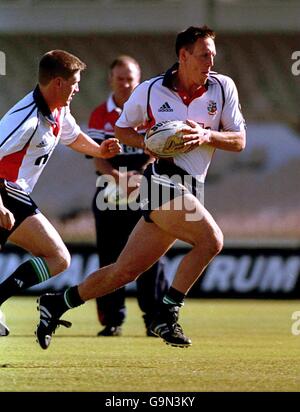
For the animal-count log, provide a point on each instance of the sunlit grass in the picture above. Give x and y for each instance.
(238, 345)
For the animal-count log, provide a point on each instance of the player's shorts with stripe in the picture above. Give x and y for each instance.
(163, 181)
(18, 202)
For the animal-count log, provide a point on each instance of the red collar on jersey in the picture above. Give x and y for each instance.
(168, 82)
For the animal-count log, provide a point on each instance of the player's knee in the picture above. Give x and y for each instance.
(217, 242)
(213, 243)
(63, 261)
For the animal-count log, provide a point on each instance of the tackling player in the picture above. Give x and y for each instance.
(29, 132)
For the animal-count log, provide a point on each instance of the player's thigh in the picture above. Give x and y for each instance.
(38, 236)
(186, 219)
(146, 244)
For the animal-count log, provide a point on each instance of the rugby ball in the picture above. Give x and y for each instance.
(165, 138)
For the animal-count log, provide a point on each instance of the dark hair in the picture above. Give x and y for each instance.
(188, 37)
(58, 63)
(122, 61)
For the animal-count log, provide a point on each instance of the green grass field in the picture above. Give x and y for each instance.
(238, 345)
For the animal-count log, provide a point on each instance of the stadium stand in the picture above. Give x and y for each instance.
(259, 63)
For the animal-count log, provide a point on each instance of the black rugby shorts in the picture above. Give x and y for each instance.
(163, 181)
(18, 202)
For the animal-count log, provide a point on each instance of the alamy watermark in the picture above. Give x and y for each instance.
(2, 63)
(295, 329)
(137, 192)
(296, 65)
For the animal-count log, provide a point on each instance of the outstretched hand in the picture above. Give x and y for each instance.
(110, 148)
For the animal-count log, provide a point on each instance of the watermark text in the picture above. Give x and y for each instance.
(296, 65)
(2, 63)
(295, 329)
(135, 191)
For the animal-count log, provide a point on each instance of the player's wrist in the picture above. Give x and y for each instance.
(208, 135)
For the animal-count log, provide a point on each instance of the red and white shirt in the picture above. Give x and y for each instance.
(101, 126)
(29, 132)
(216, 107)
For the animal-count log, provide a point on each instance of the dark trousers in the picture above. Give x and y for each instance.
(113, 228)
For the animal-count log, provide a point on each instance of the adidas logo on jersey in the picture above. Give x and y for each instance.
(165, 108)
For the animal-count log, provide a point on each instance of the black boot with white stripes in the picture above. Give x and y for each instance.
(49, 319)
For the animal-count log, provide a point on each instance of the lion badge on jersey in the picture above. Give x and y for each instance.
(212, 108)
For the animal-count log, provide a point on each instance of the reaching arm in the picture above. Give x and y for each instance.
(84, 144)
(129, 136)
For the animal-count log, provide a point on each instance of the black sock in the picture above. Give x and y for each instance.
(174, 297)
(72, 298)
(29, 273)
(63, 301)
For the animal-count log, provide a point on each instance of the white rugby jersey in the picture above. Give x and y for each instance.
(217, 108)
(28, 135)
